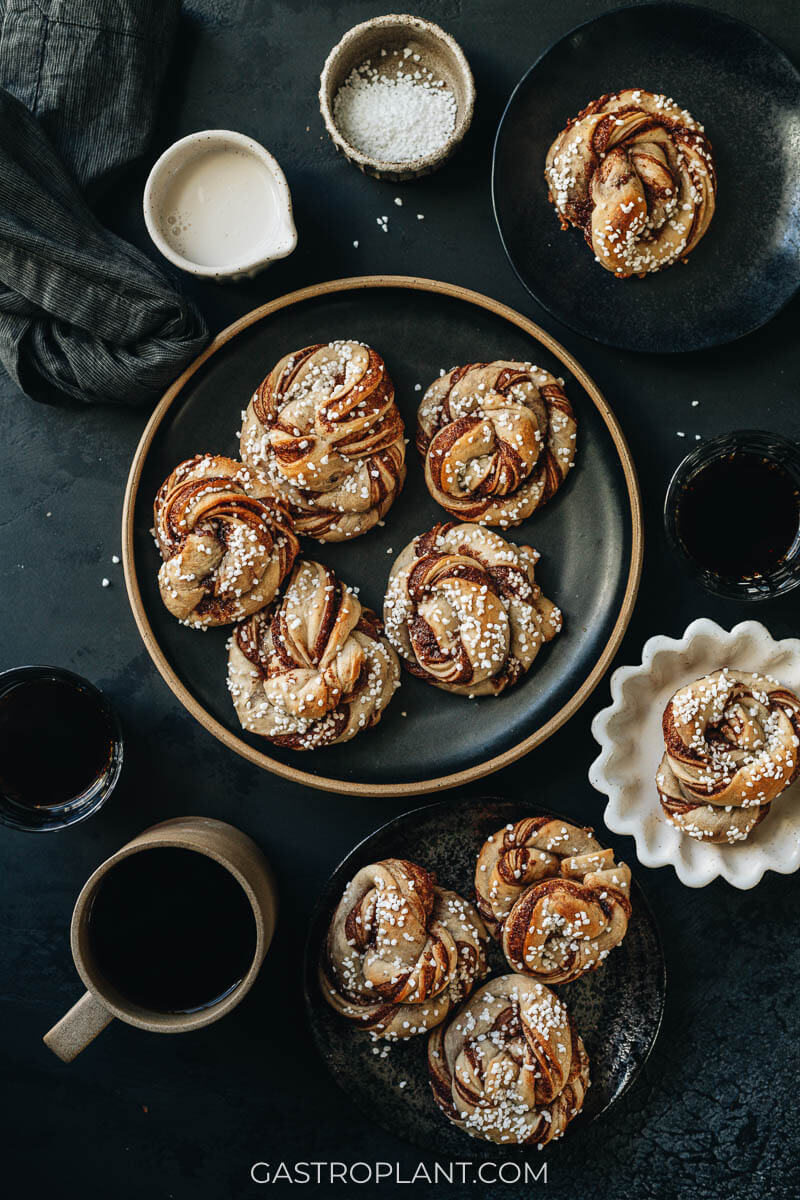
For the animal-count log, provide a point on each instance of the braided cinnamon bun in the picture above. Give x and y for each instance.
(510, 1066)
(497, 440)
(732, 746)
(464, 611)
(400, 951)
(313, 669)
(324, 434)
(555, 898)
(636, 173)
(225, 553)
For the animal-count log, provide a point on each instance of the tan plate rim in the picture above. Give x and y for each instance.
(343, 786)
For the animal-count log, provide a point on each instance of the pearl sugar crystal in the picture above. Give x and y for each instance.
(397, 117)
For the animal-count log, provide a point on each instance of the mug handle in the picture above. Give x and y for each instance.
(78, 1027)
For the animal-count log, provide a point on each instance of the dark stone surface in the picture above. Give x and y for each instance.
(714, 1113)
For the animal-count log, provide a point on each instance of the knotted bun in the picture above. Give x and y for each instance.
(324, 434)
(464, 611)
(732, 744)
(225, 552)
(636, 173)
(497, 440)
(400, 951)
(555, 898)
(509, 1066)
(313, 669)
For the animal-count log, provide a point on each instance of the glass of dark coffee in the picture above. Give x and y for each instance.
(60, 748)
(732, 512)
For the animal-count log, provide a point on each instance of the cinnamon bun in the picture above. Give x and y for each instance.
(497, 440)
(510, 1066)
(636, 173)
(323, 433)
(732, 746)
(555, 898)
(225, 552)
(400, 951)
(315, 667)
(464, 611)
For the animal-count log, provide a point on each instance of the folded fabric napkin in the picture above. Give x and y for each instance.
(83, 315)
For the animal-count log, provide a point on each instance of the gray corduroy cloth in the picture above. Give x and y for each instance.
(83, 315)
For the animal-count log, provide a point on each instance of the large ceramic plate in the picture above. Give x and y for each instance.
(747, 95)
(617, 1009)
(589, 535)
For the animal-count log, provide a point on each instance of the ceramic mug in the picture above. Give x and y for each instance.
(229, 847)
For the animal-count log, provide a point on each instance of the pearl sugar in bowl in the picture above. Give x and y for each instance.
(397, 96)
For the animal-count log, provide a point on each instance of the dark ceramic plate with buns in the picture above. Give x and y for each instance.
(745, 93)
(589, 534)
(617, 1008)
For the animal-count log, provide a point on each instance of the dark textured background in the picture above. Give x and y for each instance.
(138, 1115)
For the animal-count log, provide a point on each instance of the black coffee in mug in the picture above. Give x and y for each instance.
(172, 930)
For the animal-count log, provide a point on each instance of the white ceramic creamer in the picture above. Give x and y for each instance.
(217, 204)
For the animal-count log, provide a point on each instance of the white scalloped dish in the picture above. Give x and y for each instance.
(631, 741)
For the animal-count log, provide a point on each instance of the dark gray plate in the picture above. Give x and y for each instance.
(590, 556)
(746, 93)
(617, 1009)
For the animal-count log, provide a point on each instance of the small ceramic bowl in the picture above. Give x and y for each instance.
(630, 736)
(277, 242)
(438, 52)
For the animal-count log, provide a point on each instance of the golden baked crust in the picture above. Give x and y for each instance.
(324, 434)
(400, 951)
(732, 745)
(464, 611)
(313, 669)
(553, 896)
(497, 440)
(509, 1066)
(225, 552)
(636, 173)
